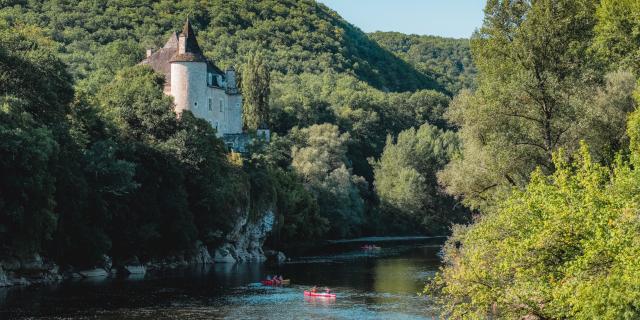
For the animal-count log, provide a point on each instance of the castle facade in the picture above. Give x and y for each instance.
(197, 85)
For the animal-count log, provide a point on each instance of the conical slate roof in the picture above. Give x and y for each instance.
(161, 59)
(192, 49)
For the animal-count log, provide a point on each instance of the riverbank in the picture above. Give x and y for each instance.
(369, 286)
(244, 243)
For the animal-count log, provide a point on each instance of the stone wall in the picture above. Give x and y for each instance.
(190, 92)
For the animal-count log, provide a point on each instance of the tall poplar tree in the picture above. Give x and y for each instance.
(256, 87)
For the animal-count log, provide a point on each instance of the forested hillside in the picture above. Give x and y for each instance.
(448, 60)
(299, 36)
(116, 173)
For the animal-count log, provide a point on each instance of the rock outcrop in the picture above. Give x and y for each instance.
(276, 257)
(94, 273)
(134, 269)
(201, 255)
(244, 242)
(27, 270)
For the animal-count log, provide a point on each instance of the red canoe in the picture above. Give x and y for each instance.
(275, 283)
(319, 294)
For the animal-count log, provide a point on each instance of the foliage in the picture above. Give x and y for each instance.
(538, 90)
(618, 33)
(405, 177)
(111, 170)
(134, 104)
(565, 247)
(448, 60)
(300, 36)
(322, 70)
(560, 242)
(299, 218)
(319, 156)
(27, 186)
(367, 114)
(255, 90)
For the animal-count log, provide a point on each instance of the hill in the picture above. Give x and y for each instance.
(448, 60)
(299, 36)
(115, 150)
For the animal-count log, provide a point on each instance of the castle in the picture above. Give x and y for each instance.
(197, 85)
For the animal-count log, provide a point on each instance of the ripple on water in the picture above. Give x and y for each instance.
(289, 303)
(379, 285)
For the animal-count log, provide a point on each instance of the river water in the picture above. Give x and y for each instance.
(369, 285)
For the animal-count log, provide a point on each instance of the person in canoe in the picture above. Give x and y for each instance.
(314, 289)
(327, 290)
(268, 277)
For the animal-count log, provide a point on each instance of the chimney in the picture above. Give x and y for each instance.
(230, 76)
(182, 44)
(149, 52)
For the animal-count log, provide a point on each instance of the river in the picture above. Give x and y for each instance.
(369, 285)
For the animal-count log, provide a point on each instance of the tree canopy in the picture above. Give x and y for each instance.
(546, 162)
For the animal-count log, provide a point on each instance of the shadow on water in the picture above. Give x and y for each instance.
(369, 285)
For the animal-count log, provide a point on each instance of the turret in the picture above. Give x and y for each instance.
(188, 73)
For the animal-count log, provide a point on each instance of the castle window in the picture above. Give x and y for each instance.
(196, 105)
(210, 79)
(220, 105)
(210, 104)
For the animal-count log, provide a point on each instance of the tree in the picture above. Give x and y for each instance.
(562, 248)
(35, 91)
(299, 217)
(135, 103)
(448, 60)
(405, 178)
(535, 74)
(618, 34)
(256, 87)
(156, 220)
(214, 187)
(27, 187)
(319, 157)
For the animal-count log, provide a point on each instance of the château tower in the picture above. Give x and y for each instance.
(197, 85)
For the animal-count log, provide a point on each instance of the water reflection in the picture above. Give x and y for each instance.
(319, 301)
(368, 287)
(395, 276)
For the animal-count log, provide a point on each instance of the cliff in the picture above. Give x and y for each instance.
(243, 244)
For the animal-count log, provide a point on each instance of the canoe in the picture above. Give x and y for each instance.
(319, 294)
(284, 282)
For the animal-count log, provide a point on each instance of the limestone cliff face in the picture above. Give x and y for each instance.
(244, 242)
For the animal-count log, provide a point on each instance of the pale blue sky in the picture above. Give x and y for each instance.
(447, 18)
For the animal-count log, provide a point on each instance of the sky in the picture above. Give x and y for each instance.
(446, 18)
